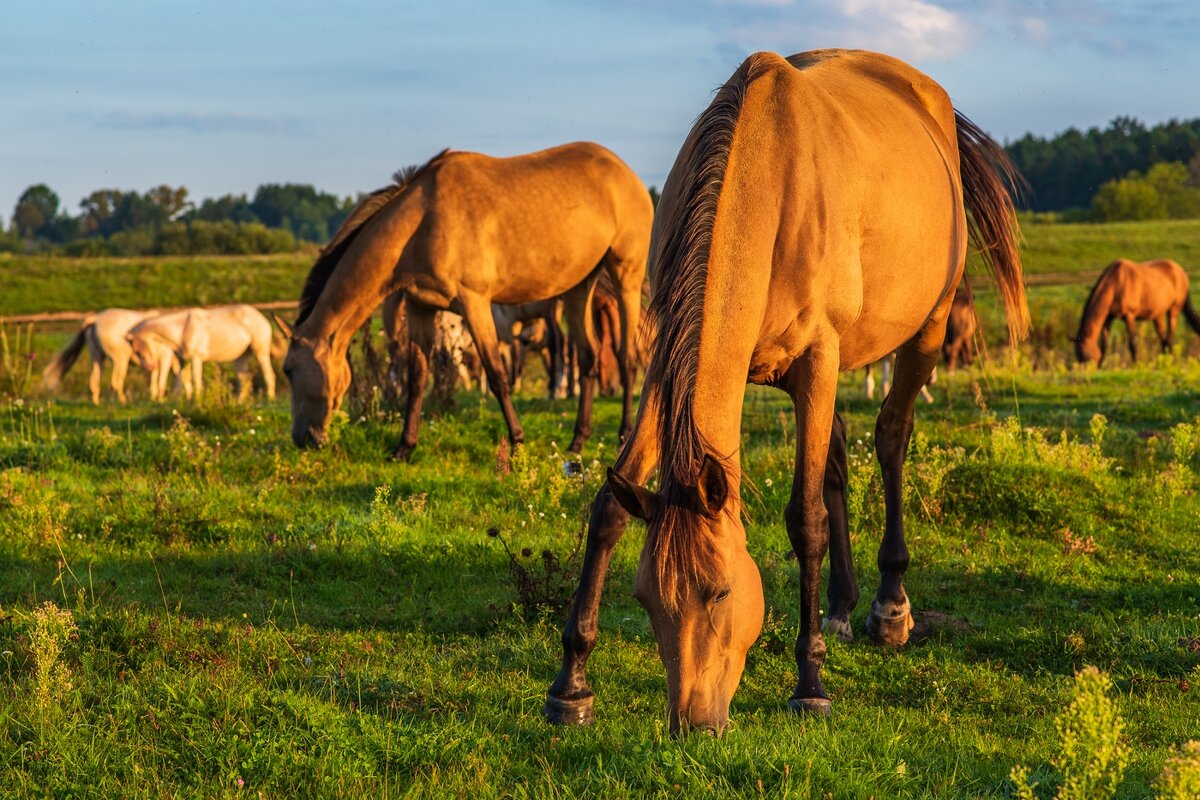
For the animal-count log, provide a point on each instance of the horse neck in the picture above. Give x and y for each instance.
(1096, 310)
(365, 275)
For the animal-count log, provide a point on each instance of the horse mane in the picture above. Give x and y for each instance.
(369, 206)
(677, 312)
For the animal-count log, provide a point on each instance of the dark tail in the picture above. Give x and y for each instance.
(1192, 317)
(988, 180)
(53, 373)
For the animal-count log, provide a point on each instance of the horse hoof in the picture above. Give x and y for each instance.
(402, 453)
(832, 625)
(810, 706)
(560, 711)
(576, 446)
(889, 624)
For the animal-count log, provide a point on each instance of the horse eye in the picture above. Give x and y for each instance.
(721, 595)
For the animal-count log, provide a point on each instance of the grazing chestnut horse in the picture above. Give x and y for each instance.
(461, 232)
(813, 222)
(960, 330)
(1132, 291)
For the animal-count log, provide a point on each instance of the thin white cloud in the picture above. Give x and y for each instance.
(917, 30)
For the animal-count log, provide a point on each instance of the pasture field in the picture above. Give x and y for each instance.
(251, 620)
(237, 618)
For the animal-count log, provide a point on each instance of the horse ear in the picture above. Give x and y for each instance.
(637, 500)
(284, 328)
(712, 486)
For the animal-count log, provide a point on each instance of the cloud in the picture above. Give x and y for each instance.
(197, 122)
(917, 30)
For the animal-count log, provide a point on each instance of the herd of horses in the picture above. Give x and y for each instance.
(816, 220)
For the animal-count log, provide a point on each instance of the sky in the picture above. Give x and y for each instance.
(222, 96)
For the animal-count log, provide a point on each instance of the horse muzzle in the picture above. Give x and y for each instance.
(309, 437)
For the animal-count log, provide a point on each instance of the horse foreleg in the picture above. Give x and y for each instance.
(120, 368)
(1130, 322)
(197, 368)
(421, 327)
(477, 312)
(578, 307)
(870, 383)
(843, 586)
(629, 310)
(812, 383)
(1160, 327)
(570, 699)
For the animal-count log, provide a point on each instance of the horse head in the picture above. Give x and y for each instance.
(319, 374)
(701, 588)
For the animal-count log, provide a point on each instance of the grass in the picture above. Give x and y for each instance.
(246, 619)
(335, 625)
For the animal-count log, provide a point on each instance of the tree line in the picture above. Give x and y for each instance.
(1124, 171)
(164, 221)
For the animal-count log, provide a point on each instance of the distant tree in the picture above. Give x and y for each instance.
(1131, 198)
(299, 208)
(36, 208)
(173, 203)
(99, 208)
(234, 208)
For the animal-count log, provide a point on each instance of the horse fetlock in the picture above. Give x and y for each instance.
(889, 622)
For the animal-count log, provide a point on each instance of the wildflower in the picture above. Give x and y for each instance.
(769, 483)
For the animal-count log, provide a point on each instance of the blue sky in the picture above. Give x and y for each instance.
(221, 96)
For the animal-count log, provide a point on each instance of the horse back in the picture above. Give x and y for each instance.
(528, 227)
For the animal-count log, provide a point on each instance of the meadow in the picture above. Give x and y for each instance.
(235, 617)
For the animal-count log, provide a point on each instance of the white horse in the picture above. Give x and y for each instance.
(887, 364)
(199, 335)
(104, 334)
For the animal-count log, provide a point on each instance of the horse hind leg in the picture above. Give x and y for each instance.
(245, 379)
(1160, 327)
(420, 346)
(890, 620)
(843, 586)
(263, 356)
(578, 307)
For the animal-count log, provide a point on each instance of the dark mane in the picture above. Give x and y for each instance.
(677, 311)
(368, 207)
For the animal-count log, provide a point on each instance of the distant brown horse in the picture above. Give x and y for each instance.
(461, 232)
(960, 330)
(812, 223)
(1132, 291)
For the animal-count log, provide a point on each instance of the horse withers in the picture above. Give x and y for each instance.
(814, 221)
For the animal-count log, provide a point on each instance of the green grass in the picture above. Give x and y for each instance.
(33, 284)
(334, 625)
(331, 624)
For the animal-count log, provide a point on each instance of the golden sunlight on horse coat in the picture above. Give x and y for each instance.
(814, 221)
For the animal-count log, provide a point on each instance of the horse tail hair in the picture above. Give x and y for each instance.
(1192, 317)
(989, 180)
(52, 375)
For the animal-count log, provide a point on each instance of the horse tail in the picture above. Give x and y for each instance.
(53, 373)
(1192, 317)
(989, 179)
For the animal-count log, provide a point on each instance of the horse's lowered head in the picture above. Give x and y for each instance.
(149, 349)
(319, 374)
(701, 588)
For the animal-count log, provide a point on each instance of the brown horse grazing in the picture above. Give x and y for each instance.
(461, 232)
(960, 330)
(1132, 291)
(813, 222)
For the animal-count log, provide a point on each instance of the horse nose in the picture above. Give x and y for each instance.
(306, 438)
